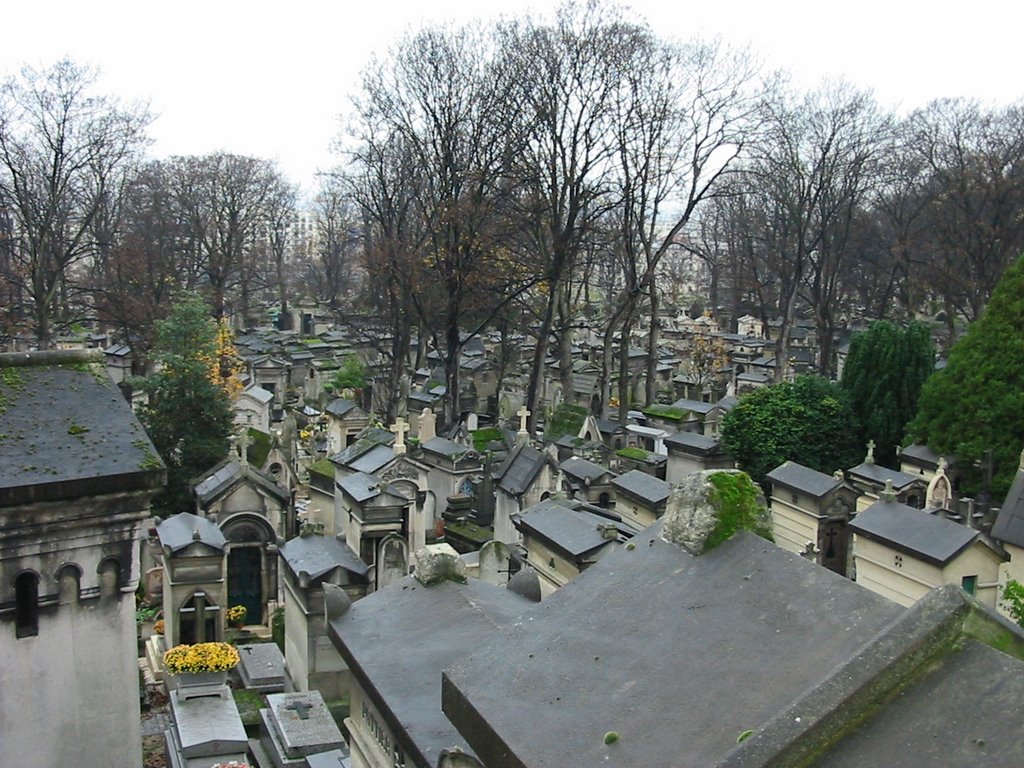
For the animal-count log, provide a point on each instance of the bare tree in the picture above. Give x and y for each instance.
(447, 96)
(685, 115)
(806, 181)
(222, 199)
(63, 150)
(975, 161)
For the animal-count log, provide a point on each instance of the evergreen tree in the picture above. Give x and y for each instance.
(884, 372)
(808, 420)
(188, 417)
(976, 403)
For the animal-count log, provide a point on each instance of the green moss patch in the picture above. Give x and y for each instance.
(661, 411)
(566, 420)
(739, 506)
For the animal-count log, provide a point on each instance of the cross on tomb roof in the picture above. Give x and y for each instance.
(523, 414)
(301, 708)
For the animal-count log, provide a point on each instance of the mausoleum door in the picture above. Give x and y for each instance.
(245, 581)
(834, 546)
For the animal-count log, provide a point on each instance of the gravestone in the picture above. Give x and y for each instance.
(204, 731)
(494, 562)
(261, 667)
(472, 422)
(427, 426)
(296, 726)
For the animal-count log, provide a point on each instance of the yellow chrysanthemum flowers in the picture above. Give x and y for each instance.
(201, 657)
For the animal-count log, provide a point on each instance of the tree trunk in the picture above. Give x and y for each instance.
(651, 385)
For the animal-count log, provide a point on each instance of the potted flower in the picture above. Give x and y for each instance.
(236, 615)
(158, 627)
(199, 669)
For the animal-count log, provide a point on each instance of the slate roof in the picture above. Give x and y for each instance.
(521, 468)
(67, 431)
(692, 442)
(229, 473)
(877, 474)
(922, 454)
(1009, 525)
(695, 406)
(582, 470)
(373, 459)
(677, 654)
(567, 527)
(367, 440)
(438, 625)
(914, 531)
(257, 393)
(362, 487)
(643, 486)
(442, 446)
(318, 555)
(340, 407)
(804, 479)
(180, 531)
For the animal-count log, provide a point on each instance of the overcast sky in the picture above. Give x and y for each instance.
(271, 80)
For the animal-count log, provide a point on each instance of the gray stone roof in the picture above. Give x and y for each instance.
(562, 525)
(66, 430)
(877, 474)
(692, 442)
(340, 408)
(678, 655)
(521, 468)
(643, 486)
(914, 531)
(431, 627)
(1009, 525)
(921, 454)
(695, 406)
(373, 459)
(258, 393)
(185, 529)
(362, 487)
(804, 479)
(318, 555)
(229, 473)
(442, 446)
(583, 470)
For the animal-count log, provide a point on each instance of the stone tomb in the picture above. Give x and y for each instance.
(296, 726)
(205, 731)
(261, 667)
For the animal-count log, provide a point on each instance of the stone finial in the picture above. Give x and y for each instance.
(888, 494)
(336, 601)
(526, 583)
(706, 508)
(838, 475)
(243, 447)
(434, 565)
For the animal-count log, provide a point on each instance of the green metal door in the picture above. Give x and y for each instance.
(245, 582)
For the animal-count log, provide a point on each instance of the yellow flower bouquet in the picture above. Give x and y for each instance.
(201, 657)
(236, 614)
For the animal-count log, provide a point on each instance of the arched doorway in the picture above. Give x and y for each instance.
(251, 572)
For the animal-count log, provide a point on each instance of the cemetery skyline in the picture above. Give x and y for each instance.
(273, 85)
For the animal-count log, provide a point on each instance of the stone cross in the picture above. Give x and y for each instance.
(243, 447)
(523, 415)
(301, 708)
(399, 428)
(870, 458)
